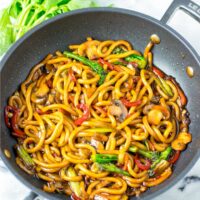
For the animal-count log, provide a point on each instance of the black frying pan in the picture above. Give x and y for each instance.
(103, 24)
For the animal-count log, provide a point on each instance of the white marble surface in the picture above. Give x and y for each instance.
(12, 189)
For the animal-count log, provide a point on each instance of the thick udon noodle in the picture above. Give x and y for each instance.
(49, 102)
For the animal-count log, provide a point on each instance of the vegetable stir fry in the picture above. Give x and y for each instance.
(99, 121)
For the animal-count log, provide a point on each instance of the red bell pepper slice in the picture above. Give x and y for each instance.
(49, 83)
(71, 75)
(103, 62)
(158, 72)
(175, 157)
(181, 94)
(123, 62)
(13, 122)
(110, 66)
(142, 166)
(86, 113)
(130, 104)
(40, 112)
(16, 131)
(8, 109)
(74, 197)
(134, 64)
(71, 98)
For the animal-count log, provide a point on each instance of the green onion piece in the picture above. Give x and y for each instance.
(112, 168)
(152, 155)
(146, 144)
(75, 186)
(104, 158)
(140, 60)
(164, 86)
(120, 63)
(96, 67)
(118, 50)
(22, 153)
(163, 156)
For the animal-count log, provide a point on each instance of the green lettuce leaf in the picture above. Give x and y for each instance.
(78, 4)
(5, 31)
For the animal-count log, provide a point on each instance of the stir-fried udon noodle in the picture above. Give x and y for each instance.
(99, 121)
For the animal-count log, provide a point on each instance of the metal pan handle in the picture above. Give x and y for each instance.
(192, 9)
(188, 6)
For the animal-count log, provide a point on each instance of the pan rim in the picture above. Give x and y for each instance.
(99, 10)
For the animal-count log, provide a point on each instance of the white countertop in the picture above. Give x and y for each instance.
(12, 189)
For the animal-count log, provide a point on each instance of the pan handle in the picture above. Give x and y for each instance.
(188, 6)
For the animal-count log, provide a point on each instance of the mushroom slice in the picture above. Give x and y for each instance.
(119, 110)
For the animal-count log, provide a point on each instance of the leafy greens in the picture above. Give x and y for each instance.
(23, 15)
